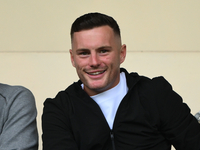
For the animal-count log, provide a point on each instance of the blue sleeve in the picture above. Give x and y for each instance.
(19, 131)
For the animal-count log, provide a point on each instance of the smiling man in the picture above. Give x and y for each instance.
(109, 108)
(97, 54)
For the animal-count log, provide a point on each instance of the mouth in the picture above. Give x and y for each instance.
(96, 72)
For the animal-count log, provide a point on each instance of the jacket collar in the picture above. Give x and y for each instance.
(131, 78)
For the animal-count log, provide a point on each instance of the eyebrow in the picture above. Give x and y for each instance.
(82, 49)
(104, 47)
(99, 48)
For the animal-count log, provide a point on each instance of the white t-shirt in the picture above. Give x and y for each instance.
(109, 100)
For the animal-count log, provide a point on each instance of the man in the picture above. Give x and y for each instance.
(109, 108)
(18, 130)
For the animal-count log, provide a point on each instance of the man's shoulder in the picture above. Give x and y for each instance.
(6, 88)
(156, 83)
(11, 92)
(133, 78)
(65, 95)
(146, 85)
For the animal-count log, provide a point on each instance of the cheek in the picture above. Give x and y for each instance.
(114, 60)
(79, 63)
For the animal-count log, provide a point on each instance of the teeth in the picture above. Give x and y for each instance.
(95, 73)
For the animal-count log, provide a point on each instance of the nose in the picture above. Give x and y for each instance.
(94, 60)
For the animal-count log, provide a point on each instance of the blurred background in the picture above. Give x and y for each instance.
(162, 38)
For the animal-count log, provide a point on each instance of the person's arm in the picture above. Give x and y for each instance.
(178, 125)
(56, 125)
(19, 129)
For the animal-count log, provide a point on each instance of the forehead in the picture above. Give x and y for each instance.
(103, 27)
(97, 36)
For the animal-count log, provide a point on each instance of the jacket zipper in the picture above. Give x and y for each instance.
(112, 140)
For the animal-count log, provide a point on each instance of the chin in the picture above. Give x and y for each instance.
(97, 87)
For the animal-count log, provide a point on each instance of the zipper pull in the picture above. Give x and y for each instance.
(112, 140)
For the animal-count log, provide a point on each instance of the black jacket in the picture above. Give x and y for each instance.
(150, 117)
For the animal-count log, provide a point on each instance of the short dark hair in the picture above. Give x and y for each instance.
(92, 20)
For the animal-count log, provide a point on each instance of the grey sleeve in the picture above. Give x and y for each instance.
(19, 131)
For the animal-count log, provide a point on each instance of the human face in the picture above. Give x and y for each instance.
(97, 54)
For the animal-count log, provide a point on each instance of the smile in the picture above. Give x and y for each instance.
(96, 73)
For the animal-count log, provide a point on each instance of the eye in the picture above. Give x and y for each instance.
(84, 53)
(103, 51)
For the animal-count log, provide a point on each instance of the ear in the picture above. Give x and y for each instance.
(122, 53)
(72, 57)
